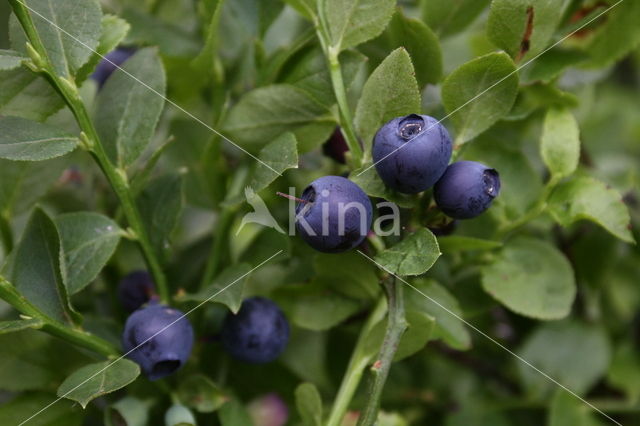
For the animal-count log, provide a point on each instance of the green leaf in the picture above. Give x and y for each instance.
(618, 36)
(147, 29)
(587, 198)
(421, 43)
(26, 140)
(18, 325)
(26, 94)
(368, 179)
(112, 33)
(10, 59)
(309, 404)
(228, 288)
(509, 21)
(458, 243)
(25, 405)
(160, 205)
(266, 112)
(548, 66)
(414, 255)
(69, 31)
(433, 300)
(532, 278)
(127, 111)
(624, 372)
(350, 274)
(35, 270)
(88, 242)
(306, 356)
(206, 59)
(352, 22)
(233, 413)
(552, 348)
(101, 378)
(22, 183)
(306, 8)
(200, 393)
(390, 91)
(134, 412)
(560, 142)
(451, 17)
(479, 93)
(315, 306)
(567, 410)
(280, 155)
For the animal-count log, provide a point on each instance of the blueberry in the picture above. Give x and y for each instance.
(466, 189)
(411, 153)
(336, 146)
(258, 333)
(136, 289)
(335, 215)
(170, 340)
(110, 62)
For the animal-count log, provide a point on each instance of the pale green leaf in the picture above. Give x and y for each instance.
(94, 380)
(450, 17)
(352, 22)
(619, 35)
(69, 31)
(26, 140)
(280, 155)
(88, 242)
(421, 43)
(391, 91)
(26, 94)
(129, 106)
(25, 405)
(161, 204)
(206, 59)
(532, 278)
(113, 31)
(479, 93)
(200, 393)
(309, 404)
(560, 142)
(10, 59)
(414, 255)
(552, 348)
(587, 198)
(233, 413)
(369, 181)
(523, 28)
(35, 269)
(227, 288)
(457, 243)
(264, 113)
(18, 325)
(431, 299)
(567, 410)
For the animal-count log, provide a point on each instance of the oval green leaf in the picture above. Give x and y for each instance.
(26, 140)
(414, 255)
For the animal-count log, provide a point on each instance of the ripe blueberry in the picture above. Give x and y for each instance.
(110, 62)
(136, 289)
(258, 333)
(170, 340)
(466, 189)
(411, 153)
(335, 214)
(336, 146)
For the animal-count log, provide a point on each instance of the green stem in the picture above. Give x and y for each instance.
(116, 176)
(396, 325)
(79, 337)
(360, 358)
(6, 236)
(335, 71)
